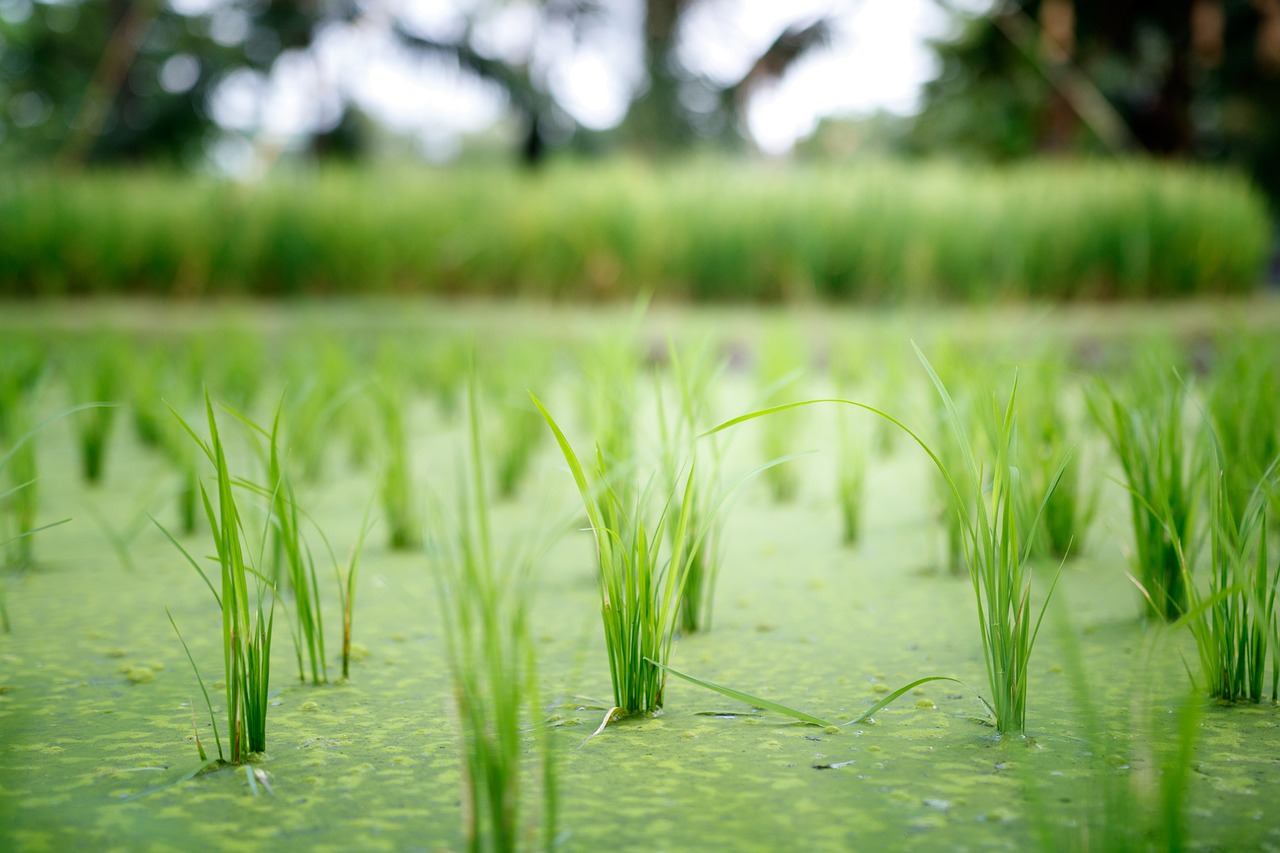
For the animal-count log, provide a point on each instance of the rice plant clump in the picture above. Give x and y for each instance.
(97, 381)
(1162, 475)
(484, 604)
(1050, 433)
(1235, 625)
(1245, 417)
(851, 476)
(641, 582)
(21, 369)
(292, 559)
(246, 600)
(694, 378)
(996, 550)
(404, 528)
(993, 543)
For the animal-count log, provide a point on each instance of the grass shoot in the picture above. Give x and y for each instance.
(640, 585)
(1235, 625)
(994, 550)
(1162, 476)
(404, 530)
(245, 598)
(484, 607)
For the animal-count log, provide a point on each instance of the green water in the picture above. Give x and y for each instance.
(96, 694)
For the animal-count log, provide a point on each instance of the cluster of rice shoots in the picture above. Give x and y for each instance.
(951, 428)
(1234, 624)
(95, 377)
(992, 541)
(19, 496)
(1245, 417)
(18, 502)
(484, 605)
(610, 370)
(399, 509)
(694, 377)
(157, 384)
(852, 460)
(145, 392)
(292, 560)
(641, 579)
(1144, 424)
(1050, 434)
(440, 371)
(519, 428)
(995, 546)
(782, 363)
(246, 599)
(232, 363)
(312, 404)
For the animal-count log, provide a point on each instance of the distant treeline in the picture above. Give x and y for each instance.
(698, 231)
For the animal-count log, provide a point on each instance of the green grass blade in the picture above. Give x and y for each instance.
(892, 697)
(754, 701)
(208, 704)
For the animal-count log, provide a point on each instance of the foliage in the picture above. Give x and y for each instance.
(1051, 433)
(1162, 474)
(696, 230)
(404, 528)
(1235, 624)
(484, 604)
(993, 547)
(1245, 418)
(241, 595)
(1035, 76)
(641, 585)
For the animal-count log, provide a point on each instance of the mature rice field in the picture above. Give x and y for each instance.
(452, 644)
(703, 230)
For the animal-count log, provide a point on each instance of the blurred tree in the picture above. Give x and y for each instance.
(672, 108)
(129, 80)
(1176, 78)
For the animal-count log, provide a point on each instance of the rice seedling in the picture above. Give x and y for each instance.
(1162, 475)
(782, 363)
(444, 363)
(17, 508)
(694, 379)
(20, 501)
(519, 427)
(347, 593)
(291, 553)
(993, 546)
(1051, 434)
(1235, 625)
(1245, 417)
(234, 370)
(610, 370)
(96, 381)
(640, 584)
(950, 433)
(404, 529)
(246, 600)
(851, 476)
(320, 387)
(147, 388)
(484, 605)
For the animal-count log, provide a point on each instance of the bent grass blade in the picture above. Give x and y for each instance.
(802, 716)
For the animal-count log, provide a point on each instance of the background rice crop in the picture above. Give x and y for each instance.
(701, 230)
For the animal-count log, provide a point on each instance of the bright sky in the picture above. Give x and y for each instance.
(877, 59)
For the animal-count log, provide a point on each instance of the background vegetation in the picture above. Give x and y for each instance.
(704, 230)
